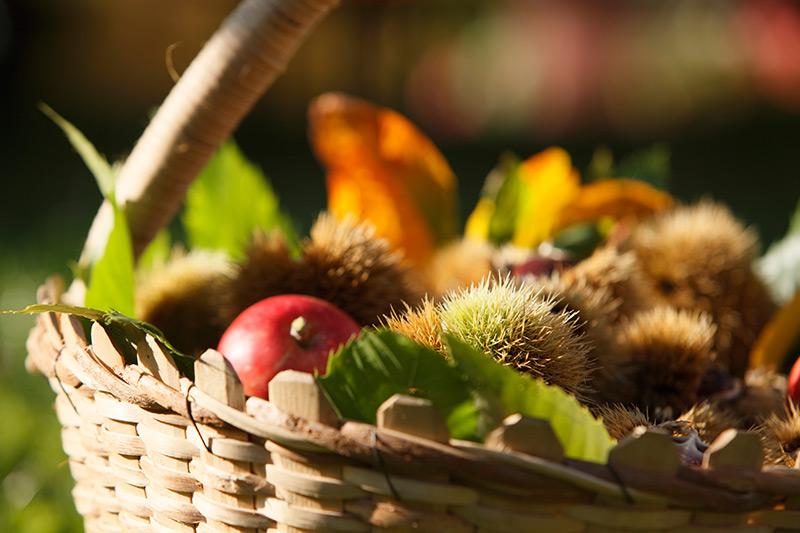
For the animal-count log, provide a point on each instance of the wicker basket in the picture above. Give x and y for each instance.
(151, 450)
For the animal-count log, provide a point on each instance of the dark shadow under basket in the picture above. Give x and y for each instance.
(152, 451)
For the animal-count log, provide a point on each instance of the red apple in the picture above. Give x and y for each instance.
(793, 389)
(287, 332)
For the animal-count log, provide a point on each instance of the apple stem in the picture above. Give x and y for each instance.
(300, 331)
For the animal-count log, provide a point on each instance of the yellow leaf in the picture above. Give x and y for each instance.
(382, 169)
(616, 198)
(548, 184)
(778, 337)
(477, 226)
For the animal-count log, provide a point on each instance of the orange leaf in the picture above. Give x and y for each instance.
(778, 336)
(615, 198)
(381, 168)
(548, 183)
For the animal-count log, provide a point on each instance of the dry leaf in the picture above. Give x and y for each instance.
(548, 184)
(615, 198)
(382, 169)
(778, 336)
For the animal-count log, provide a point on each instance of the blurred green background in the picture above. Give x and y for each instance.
(718, 83)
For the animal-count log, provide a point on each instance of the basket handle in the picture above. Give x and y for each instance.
(235, 67)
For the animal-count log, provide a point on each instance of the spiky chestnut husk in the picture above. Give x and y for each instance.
(419, 323)
(621, 420)
(186, 299)
(459, 264)
(520, 327)
(700, 257)
(763, 395)
(347, 264)
(667, 353)
(620, 275)
(780, 436)
(592, 306)
(266, 270)
(710, 419)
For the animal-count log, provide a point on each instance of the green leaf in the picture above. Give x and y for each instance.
(473, 392)
(35, 309)
(651, 165)
(794, 222)
(582, 435)
(111, 284)
(780, 266)
(125, 330)
(122, 329)
(94, 161)
(506, 197)
(157, 252)
(580, 240)
(378, 364)
(230, 200)
(601, 166)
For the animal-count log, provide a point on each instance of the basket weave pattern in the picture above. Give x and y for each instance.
(152, 451)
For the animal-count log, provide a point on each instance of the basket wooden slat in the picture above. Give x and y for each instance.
(151, 456)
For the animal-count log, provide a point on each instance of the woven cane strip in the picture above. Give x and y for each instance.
(134, 524)
(399, 516)
(94, 493)
(110, 523)
(83, 492)
(76, 404)
(314, 520)
(515, 510)
(127, 469)
(488, 519)
(173, 505)
(704, 518)
(238, 483)
(170, 485)
(162, 524)
(101, 525)
(125, 449)
(407, 489)
(310, 488)
(108, 503)
(623, 517)
(225, 500)
(432, 500)
(41, 355)
(166, 478)
(778, 519)
(66, 412)
(83, 496)
(167, 440)
(231, 460)
(748, 528)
